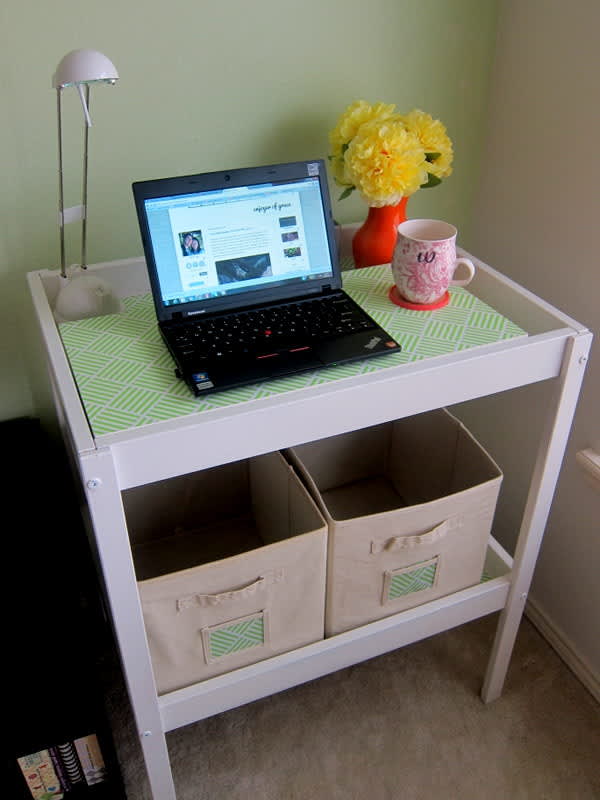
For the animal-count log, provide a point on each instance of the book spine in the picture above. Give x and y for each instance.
(59, 769)
(40, 776)
(70, 760)
(90, 758)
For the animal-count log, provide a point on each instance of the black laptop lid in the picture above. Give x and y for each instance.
(230, 240)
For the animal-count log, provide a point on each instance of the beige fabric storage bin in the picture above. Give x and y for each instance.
(409, 505)
(231, 567)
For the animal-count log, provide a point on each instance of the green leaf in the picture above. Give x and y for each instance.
(346, 193)
(432, 156)
(345, 146)
(432, 181)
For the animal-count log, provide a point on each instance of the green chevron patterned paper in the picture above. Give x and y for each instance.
(235, 636)
(125, 374)
(407, 581)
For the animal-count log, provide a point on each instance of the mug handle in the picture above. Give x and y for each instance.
(469, 265)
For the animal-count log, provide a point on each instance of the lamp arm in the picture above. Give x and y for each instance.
(84, 102)
(61, 202)
(84, 201)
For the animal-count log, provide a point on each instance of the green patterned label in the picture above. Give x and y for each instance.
(231, 637)
(412, 579)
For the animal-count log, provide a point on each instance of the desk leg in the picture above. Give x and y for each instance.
(545, 475)
(114, 553)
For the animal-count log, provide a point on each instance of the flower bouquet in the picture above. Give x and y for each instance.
(386, 157)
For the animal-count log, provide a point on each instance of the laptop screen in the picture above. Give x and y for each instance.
(231, 239)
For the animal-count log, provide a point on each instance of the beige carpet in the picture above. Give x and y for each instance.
(408, 725)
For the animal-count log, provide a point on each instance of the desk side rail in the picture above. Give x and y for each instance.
(514, 301)
(63, 383)
(129, 277)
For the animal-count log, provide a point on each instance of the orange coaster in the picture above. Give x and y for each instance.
(397, 298)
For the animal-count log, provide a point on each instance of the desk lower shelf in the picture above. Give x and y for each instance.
(276, 674)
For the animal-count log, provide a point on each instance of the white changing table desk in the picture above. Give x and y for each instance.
(555, 347)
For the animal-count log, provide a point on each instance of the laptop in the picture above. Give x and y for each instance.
(245, 276)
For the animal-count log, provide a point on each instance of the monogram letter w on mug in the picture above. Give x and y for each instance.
(424, 264)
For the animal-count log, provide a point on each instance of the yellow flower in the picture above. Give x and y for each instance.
(434, 139)
(385, 155)
(385, 162)
(355, 115)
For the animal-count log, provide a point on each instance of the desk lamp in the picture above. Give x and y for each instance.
(81, 294)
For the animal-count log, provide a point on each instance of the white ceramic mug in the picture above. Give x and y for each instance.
(424, 261)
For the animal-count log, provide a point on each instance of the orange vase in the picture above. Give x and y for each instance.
(374, 241)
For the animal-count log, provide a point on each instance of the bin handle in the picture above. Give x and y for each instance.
(429, 537)
(204, 600)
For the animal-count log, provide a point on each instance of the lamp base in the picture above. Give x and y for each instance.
(82, 295)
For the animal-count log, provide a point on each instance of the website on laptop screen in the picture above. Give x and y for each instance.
(216, 243)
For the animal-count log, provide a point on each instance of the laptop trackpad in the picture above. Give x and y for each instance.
(264, 367)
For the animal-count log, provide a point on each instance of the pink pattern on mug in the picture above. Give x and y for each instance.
(424, 260)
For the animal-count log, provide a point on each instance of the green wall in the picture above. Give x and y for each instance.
(207, 86)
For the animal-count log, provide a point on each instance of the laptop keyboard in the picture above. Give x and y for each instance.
(290, 326)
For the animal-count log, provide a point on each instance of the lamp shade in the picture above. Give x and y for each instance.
(83, 66)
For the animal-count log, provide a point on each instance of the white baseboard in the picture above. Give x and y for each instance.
(564, 648)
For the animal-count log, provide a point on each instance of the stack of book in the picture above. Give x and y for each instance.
(58, 637)
(50, 774)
